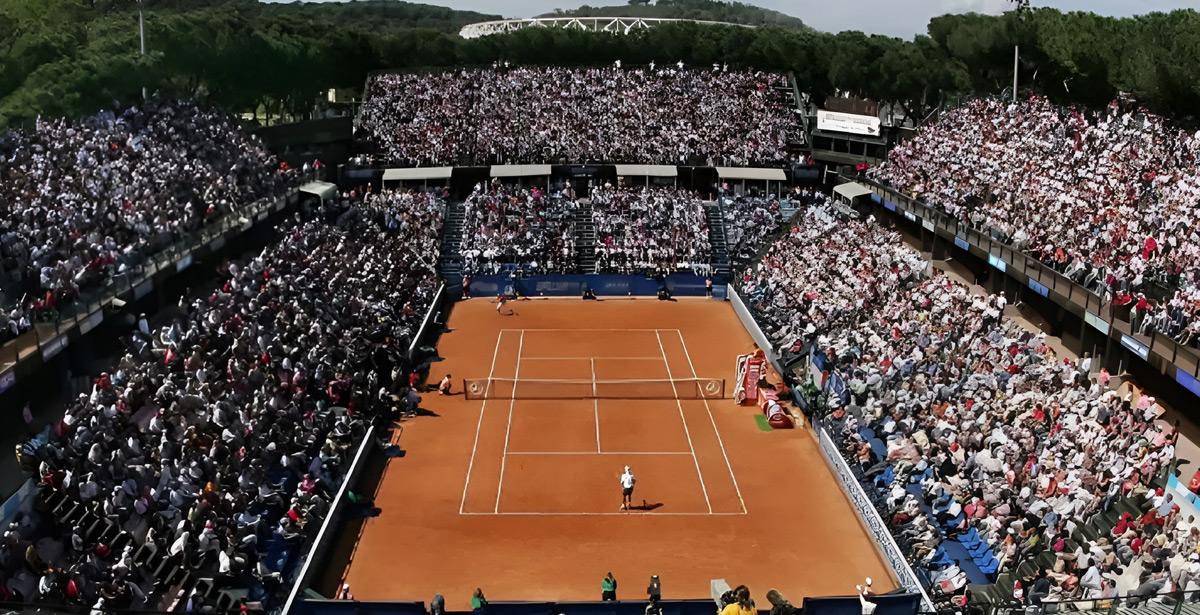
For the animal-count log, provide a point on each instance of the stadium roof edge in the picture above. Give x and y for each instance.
(615, 25)
(751, 173)
(648, 170)
(851, 190)
(417, 173)
(520, 170)
(321, 190)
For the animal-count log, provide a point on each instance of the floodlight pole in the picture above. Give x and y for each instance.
(1016, 61)
(1021, 8)
(142, 41)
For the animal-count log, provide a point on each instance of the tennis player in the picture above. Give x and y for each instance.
(627, 482)
(500, 301)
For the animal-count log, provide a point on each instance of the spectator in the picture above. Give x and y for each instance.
(507, 226)
(659, 115)
(90, 199)
(217, 440)
(1108, 199)
(650, 231)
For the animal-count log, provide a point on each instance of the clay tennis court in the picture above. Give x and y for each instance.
(518, 493)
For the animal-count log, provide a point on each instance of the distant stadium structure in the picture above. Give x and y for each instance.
(618, 25)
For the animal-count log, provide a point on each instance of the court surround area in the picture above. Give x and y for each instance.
(516, 491)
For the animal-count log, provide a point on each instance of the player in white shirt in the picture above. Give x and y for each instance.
(627, 480)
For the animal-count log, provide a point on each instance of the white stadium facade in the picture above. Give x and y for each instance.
(618, 25)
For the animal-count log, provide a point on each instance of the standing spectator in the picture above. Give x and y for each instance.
(608, 587)
(478, 601)
(654, 590)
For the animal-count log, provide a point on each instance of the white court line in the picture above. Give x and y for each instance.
(686, 432)
(595, 405)
(623, 329)
(650, 358)
(478, 425)
(508, 430)
(648, 513)
(597, 453)
(708, 409)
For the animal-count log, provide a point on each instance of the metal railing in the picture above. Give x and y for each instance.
(1100, 314)
(50, 330)
(1157, 603)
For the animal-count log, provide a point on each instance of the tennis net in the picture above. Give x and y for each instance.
(533, 388)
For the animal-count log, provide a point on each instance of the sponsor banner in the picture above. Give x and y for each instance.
(54, 347)
(867, 125)
(1188, 381)
(750, 368)
(1137, 347)
(92, 321)
(143, 289)
(997, 262)
(1039, 288)
(183, 263)
(1096, 322)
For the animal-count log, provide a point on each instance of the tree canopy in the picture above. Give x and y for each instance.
(69, 57)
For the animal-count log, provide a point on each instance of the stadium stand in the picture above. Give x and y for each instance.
(1105, 198)
(650, 230)
(527, 230)
(193, 473)
(89, 199)
(656, 114)
(993, 460)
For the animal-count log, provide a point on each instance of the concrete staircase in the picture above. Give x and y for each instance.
(716, 238)
(450, 265)
(585, 239)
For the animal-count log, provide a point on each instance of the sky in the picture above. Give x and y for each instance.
(903, 18)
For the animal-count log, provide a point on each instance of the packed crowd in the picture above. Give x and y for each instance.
(525, 228)
(1107, 198)
(823, 274)
(656, 114)
(216, 443)
(650, 230)
(750, 220)
(971, 427)
(988, 437)
(85, 200)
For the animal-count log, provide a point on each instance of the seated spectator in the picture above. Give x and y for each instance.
(215, 444)
(650, 231)
(1106, 198)
(503, 225)
(658, 114)
(91, 199)
(1004, 441)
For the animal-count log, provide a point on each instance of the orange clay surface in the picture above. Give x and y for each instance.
(521, 497)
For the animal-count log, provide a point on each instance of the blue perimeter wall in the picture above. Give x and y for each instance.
(888, 604)
(604, 285)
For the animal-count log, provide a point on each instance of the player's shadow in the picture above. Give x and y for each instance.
(647, 507)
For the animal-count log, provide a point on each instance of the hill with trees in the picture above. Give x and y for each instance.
(709, 10)
(70, 57)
